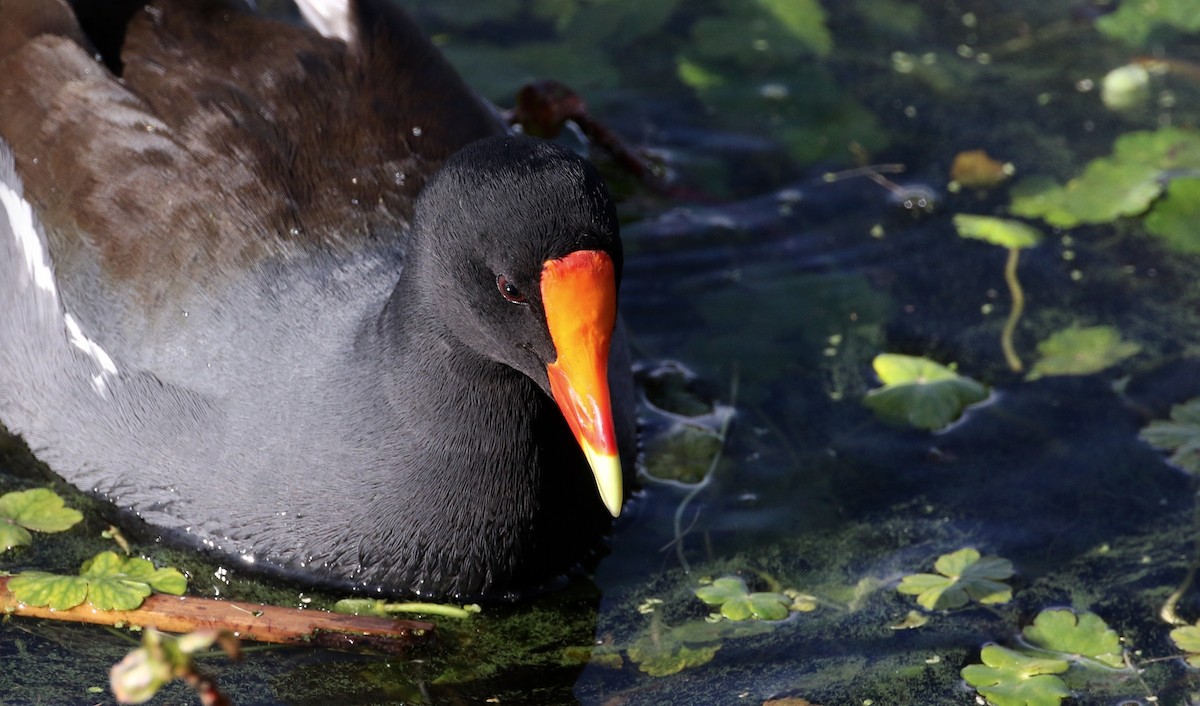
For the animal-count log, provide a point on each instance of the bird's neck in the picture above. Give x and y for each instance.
(470, 490)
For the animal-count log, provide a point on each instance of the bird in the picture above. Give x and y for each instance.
(293, 294)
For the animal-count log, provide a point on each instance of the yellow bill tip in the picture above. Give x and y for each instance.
(606, 467)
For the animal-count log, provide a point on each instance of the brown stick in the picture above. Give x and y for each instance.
(247, 621)
(543, 107)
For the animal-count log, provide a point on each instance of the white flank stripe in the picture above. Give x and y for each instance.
(94, 351)
(329, 17)
(20, 219)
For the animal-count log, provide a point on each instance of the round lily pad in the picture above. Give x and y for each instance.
(1187, 638)
(1081, 350)
(1084, 635)
(920, 392)
(1009, 678)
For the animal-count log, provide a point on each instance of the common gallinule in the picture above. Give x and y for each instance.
(225, 308)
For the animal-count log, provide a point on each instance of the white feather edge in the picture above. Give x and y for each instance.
(31, 244)
(332, 18)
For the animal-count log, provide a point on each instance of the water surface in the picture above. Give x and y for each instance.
(762, 303)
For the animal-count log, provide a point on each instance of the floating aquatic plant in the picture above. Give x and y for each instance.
(1009, 678)
(1180, 435)
(662, 650)
(668, 654)
(736, 602)
(1187, 638)
(1081, 350)
(1133, 21)
(1083, 635)
(920, 392)
(1174, 217)
(39, 510)
(1014, 236)
(962, 576)
(107, 581)
(1142, 168)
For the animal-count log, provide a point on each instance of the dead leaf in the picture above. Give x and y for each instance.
(974, 169)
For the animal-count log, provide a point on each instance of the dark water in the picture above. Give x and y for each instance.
(763, 304)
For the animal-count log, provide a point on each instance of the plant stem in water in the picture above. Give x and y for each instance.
(712, 467)
(1018, 306)
(439, 609)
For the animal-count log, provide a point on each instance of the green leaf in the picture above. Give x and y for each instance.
(1081, 351)
(111, 565)
(1008, 678)
(40, 510)
(737, 603)
(921, 392)
(1121, 185)
(38, 588)
(933, 592)
(697, 76)
(1104, 192)
(13, 536)
(804, 20)
(116, 584)
(1085, 635)
(962, 576)
(997, 231)
(169, 580)
(107, 581)
(1135, 20)
(1174, 218)
(1181, 435)
(1187, 638)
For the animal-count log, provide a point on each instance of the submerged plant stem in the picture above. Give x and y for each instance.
(712, 467)
(1018, 306)
(1168, 612)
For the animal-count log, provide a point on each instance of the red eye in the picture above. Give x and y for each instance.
(509, 290)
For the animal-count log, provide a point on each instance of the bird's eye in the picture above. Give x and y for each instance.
(509, 291)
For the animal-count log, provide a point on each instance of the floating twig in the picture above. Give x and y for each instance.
(247, 621)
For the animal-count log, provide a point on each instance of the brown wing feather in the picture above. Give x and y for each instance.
(228, 137)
